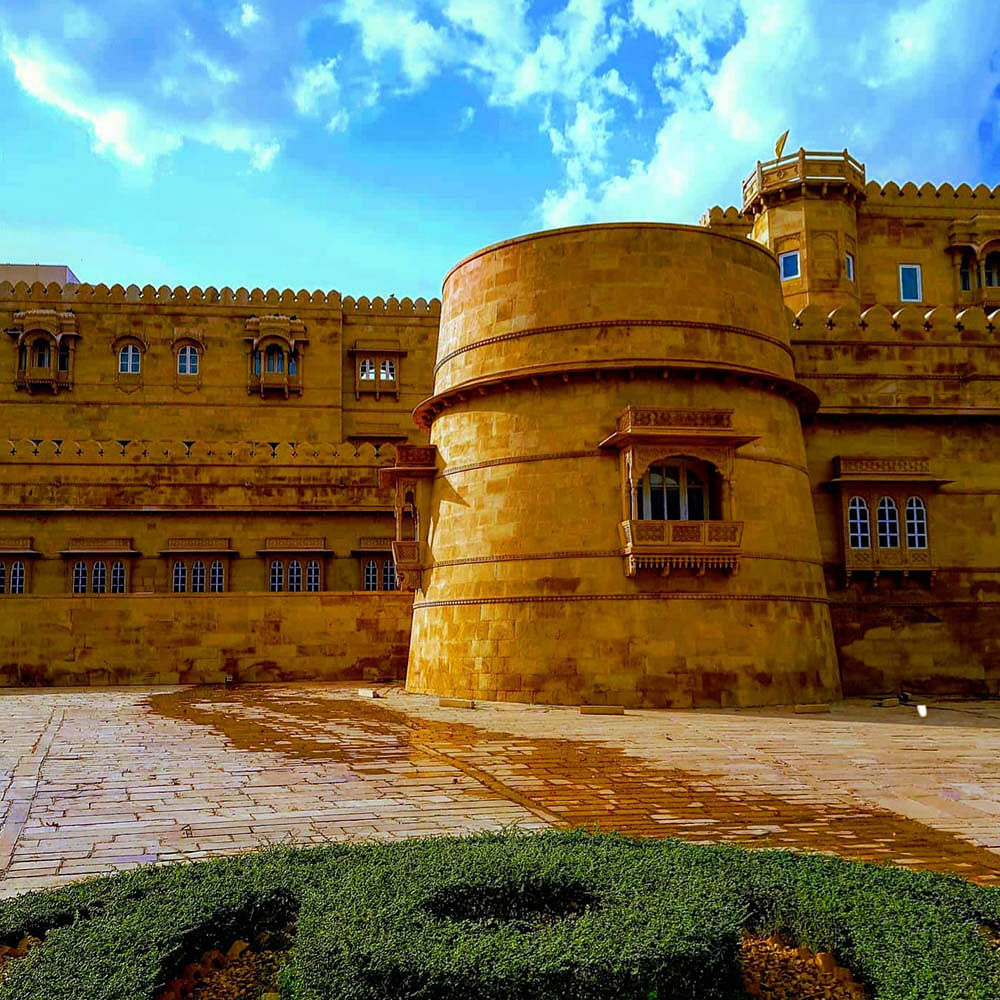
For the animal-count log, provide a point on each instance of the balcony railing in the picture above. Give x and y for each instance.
(667, 545)
(276, 383)
(804, 167)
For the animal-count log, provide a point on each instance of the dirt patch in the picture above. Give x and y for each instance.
(776, 971)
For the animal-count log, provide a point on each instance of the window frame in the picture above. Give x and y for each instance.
(795, 255)
(918, 536)
(118, 577)
(178, 577)
(849, 266)
(686, 467)
(217, 577)
(275, 576)
(134, 365)
(887, 529)
(188, 360)
(858, 530)
(314, 576)
(920, 282)
(80, 577)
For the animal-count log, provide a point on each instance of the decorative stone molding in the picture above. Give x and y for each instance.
(666, 545)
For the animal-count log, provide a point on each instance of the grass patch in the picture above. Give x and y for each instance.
(508, 916)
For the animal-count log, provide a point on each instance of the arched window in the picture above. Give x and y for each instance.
(180, 577)
(255, 360)
(916, 523)
(859, 529)
(80, 578)
(312, 575)
(187, 361)
(128, 360)
(63, 363)
(991, 269)
(217, 577)
(118, 577)
(371, 575)
(17, 577)
(3, 578)
(673, 492)
(293, 363)
(41, 352)
(274, 359)
(367, 370)
(277, 576)
(888, 524)
(389, 575)
(388, 371)
(99, 578)
(295, 575)
(198, 577)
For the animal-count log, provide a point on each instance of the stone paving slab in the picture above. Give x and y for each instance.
(102, 779)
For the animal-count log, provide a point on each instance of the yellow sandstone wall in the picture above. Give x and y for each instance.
(544, 341)
(199, 639)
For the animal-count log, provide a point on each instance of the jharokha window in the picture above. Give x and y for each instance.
(677, 484)
(276, 352)
(885, 509)
(379, 574)
(376, 367)
(46, 346)
(99, 576)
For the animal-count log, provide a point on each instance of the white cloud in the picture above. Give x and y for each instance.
(264, 154)
(122, 127)
(466, 117)
(313, 84)
(394, 28)
(886, 82)
(249, 15)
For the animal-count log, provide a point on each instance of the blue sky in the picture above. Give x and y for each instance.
(366, 145)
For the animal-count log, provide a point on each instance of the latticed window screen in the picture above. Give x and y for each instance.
(888, 524)
(277, 576)
(198, 577)
(371, 575)
(295, 575)
(80, 578)
(180, 577)
(916, 523)
(389, 581)
(858, 524)
(118, 578)
(312, 575)
(99, 578)
(217, 578)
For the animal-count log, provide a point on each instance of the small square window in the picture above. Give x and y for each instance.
(910, 289)
(789, 265)
(849, 266)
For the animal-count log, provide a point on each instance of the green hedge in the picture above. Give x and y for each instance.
(508, 916)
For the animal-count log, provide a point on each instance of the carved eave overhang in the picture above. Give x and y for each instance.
(389, 348)
(120, 547)
(425, 413)
(291, 329)
(881, 471)
(413, 461)
(295, 546)
(642, 425)
(59, 325)
(974, 233)
(20, 546)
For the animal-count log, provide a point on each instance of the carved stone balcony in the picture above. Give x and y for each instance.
(276, 383)
(406, 556)
(667, 545)
(35, 377)
(797, 171)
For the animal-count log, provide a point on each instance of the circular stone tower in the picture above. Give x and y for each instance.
(621, 511)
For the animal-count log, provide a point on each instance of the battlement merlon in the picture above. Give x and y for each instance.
(800, 171)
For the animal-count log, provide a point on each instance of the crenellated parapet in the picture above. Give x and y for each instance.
(910, 324)
(83, 293)
(938, 361)
(909, 194)
(391, 306)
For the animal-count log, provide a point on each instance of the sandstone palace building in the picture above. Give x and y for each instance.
(749, 462)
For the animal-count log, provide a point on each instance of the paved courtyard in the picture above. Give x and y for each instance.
(102, 779)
